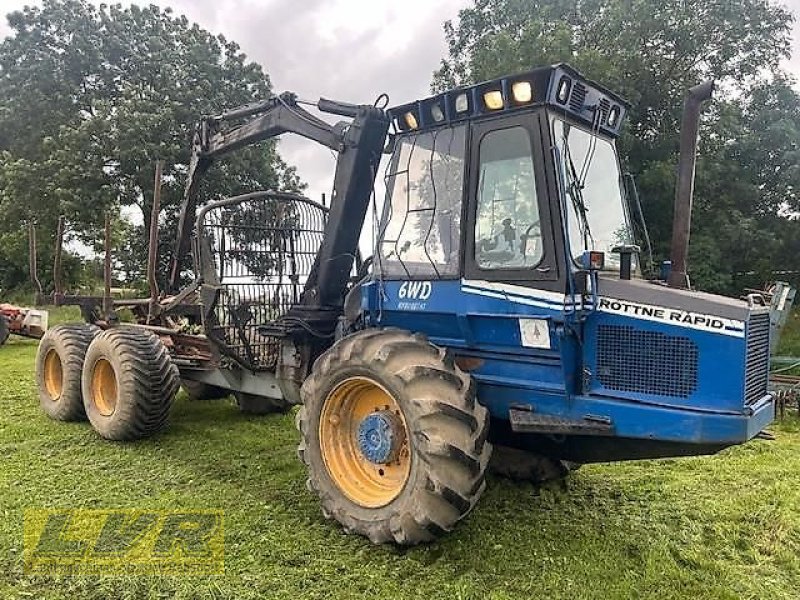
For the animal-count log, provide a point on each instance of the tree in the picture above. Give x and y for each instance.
(91, 96)
(651, 51)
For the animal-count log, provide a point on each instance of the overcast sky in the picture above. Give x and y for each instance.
(349, 50)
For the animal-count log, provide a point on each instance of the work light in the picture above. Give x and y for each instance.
(411, 120)
(522, 92)
(493, 99)
(613, 117)
(562, 93)
(462, 103)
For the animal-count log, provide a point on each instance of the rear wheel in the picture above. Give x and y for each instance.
(250, 404)
(197, 390)
(4, 332)
(128, 383)
(519, 465)
(392, 436)
(59, 363)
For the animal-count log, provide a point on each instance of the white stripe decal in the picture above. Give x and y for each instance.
(645, 312)
(516, 290)
(507, 297)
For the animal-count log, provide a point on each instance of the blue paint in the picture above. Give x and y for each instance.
(480, 322)
(376, 437)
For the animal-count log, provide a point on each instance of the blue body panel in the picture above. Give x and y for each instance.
(560, 376)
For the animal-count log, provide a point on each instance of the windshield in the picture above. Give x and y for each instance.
(597, 218)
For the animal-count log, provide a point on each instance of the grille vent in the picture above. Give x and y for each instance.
(605, 108)
(757, 366)
(648, 362)
(577, 97)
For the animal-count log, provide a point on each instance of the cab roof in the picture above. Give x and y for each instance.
(558, 86)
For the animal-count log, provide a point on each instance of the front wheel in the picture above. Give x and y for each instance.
(197, 390)
(250, 404)
(522, 466)
(392, 436)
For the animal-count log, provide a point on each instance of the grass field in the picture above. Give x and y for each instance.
(726, 526)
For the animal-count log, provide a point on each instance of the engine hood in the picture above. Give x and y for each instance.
(655, 301)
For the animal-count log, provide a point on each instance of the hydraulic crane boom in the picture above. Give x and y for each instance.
(359, 144)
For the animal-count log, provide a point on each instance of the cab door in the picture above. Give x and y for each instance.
(510, 233)
(514, 275)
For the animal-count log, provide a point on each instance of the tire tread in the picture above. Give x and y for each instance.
(449, 433)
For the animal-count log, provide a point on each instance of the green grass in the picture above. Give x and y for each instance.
(726, 526)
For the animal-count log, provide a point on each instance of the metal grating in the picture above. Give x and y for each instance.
(648, 362)
(262, 249)
(604, 107)
(577, 97)
(757, 365)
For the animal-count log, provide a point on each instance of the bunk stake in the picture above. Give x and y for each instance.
(152, 247)
(108, 306)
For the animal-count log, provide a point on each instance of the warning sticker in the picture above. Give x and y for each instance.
(535, 333)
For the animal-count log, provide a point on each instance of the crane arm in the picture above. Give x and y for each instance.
(271, 118)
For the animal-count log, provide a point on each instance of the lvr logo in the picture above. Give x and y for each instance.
(415, 290)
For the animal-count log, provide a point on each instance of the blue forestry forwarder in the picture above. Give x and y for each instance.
(503, 309)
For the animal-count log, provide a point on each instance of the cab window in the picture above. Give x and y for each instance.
(508, 234)
(420, 229)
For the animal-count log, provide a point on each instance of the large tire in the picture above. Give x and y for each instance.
(197, 390)
(59, 364)
(519, 465)
(440, 463)
(251, 404)
(4, 332)
(128, 383)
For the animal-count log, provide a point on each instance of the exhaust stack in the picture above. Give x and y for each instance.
(684, 190)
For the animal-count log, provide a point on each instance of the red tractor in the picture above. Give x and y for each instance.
(25, 322)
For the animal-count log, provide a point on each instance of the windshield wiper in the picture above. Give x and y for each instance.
(575, 191)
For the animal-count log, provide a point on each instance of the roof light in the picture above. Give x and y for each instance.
(562, 93)
(437, 113)
(462, 103)
(493, 100)
(411, 120)
(522, 92)
(613, 116)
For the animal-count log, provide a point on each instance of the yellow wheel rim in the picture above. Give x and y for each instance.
(104, 387)
(53, 375)
(364, 441)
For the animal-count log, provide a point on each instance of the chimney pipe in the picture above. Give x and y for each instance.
(682, 219)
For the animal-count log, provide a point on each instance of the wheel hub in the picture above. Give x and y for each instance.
(380, 437)
(104, 387)
(53, 375)
(364, 442)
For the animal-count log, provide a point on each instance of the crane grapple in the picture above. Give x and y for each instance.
(255, 254)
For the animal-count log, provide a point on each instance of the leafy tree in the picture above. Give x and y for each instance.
(651, 51)
(91, 96)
